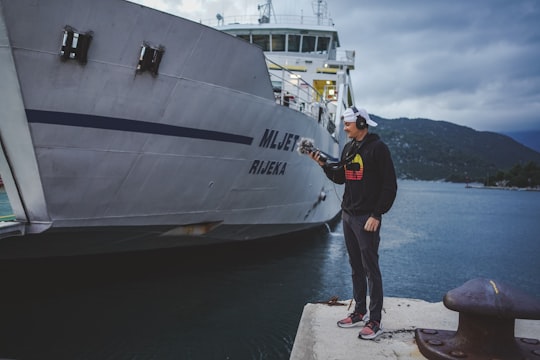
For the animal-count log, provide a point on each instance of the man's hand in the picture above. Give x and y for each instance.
(316, 155)
(372, 224)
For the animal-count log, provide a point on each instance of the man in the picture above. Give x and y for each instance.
(367, 170)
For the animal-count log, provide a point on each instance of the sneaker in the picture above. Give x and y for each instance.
(354, 319)
(371, 330)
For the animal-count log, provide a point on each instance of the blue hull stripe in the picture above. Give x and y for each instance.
(145, 127)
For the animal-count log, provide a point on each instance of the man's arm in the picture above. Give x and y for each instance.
(334, 171)
(387, 174)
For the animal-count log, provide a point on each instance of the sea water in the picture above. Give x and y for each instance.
(6, 213)
(244, 301)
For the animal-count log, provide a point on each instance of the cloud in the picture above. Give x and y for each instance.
(474, 63)
(469, 62)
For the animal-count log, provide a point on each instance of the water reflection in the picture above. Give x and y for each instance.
(228, 301)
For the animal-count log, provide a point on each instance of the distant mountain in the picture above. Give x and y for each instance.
(528, 138)
(426, 149)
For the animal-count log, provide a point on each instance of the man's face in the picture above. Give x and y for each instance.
(351, 129)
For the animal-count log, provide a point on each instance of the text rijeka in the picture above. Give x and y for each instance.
(272, 139)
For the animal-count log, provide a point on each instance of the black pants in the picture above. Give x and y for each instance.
(363, 249)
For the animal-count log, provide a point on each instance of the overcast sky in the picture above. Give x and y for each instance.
(472, 62)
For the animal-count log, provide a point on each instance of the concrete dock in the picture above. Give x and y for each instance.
(318, 336)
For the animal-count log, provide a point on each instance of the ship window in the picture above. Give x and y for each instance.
(308, 44)
(263, 41)
(322, 44)
(293, 43)
(244, 37)
(150, 58)
(75, 45)
(278, 42)
(277, 86)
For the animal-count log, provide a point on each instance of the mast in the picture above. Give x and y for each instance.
(266, 12)
(320, 8)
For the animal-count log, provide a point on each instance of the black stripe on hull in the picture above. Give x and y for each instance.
(145, 127)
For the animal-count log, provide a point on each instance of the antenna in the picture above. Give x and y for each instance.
(266, 12)
(320, 8)
(219, 18)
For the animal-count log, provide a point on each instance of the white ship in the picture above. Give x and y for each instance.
(125, 128)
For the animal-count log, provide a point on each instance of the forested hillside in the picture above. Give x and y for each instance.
(426, 149)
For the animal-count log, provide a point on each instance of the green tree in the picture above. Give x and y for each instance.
(519, 175)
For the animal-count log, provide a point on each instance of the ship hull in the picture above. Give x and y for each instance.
(100, 157)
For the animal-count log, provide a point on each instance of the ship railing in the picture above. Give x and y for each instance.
(275, 19)
(345, 56)
(292, 91)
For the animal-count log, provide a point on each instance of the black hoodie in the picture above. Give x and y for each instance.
(367, 170)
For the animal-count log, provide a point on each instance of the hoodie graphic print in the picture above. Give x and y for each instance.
(355, 169)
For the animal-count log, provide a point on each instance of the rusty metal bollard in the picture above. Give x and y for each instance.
(487, 312)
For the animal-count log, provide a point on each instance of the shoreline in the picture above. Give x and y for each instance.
(509, 188)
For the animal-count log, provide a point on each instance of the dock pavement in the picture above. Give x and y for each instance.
(319, 338)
